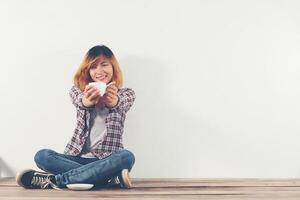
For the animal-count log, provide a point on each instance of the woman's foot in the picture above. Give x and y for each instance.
(32, 179)
(122, 180)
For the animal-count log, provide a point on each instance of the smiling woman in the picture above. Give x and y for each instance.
(101, 70)
(99, 64)
(95, 153)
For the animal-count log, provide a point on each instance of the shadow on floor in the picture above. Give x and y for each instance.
(5, 169)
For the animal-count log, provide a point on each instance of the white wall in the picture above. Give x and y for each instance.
(217, 82)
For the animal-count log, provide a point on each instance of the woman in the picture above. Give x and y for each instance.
(95, 153)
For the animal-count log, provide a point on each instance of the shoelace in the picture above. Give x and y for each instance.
(116, 180)
(43, 182)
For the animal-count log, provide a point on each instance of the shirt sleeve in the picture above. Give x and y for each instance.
(126, 100)
(76, 97)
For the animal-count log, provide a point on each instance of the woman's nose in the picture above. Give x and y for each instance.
(99, 69)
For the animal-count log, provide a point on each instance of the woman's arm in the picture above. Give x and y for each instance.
(126, 98)
(76, 96)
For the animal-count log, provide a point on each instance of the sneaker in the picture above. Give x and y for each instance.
(32, 179)
(122, 180)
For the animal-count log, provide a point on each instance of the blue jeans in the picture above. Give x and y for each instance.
(74, 169)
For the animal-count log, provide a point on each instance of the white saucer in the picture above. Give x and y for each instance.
(80, 186)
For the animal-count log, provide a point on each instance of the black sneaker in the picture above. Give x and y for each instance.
(122, 180)
(32, 179)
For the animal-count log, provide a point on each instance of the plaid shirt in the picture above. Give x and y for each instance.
(114, 124)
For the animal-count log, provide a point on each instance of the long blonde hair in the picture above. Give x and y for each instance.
(82, 76)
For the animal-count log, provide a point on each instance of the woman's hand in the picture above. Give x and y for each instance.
(91, 96)
(110, 98)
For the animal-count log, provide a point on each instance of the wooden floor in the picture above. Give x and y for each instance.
(210, 189)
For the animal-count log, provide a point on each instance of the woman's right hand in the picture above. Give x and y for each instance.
(90, 96)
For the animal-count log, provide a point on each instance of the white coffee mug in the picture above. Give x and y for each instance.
(101, 86)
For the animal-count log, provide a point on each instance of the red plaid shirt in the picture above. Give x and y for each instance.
(114, 124)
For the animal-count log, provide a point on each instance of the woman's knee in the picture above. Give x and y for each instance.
(129, 158)
(42, 156)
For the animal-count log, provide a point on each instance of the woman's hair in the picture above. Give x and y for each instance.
(82, 76)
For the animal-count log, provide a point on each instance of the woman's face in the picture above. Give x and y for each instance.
(101, 70)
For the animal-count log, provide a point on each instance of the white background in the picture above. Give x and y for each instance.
(217, 82)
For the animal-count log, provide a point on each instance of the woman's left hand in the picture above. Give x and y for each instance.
(110, 98)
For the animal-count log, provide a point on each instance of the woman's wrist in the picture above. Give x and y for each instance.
(113, 103)
(85, 104)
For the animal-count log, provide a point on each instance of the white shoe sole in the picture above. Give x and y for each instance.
(126, 178)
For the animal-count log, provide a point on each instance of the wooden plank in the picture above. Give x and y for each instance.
(215, 182)
(213, 197)
(4, 191)
(153, 182)
(287, 189)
